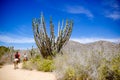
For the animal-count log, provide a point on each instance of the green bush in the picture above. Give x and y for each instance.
(39, 63)
(3, 50)
(45, 65)
(32, 63)
(27, 65)
(35, 60)
(115, 67)
(82, 72)
(70, 74)
(110, 70)
(83, 76)
(104, 72)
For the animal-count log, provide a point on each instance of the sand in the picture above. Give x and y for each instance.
(7, 72)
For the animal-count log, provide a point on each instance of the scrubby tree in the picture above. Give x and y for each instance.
(3, 50)
(11, 50)
(49, 45)
(32, 52)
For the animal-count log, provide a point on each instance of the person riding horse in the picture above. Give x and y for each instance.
(16, 60)
(25, 57)
(17, 56)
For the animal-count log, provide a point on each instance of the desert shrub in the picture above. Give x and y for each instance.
(70, 67)
(1, 63)
(74, 73)
(39, 64)
(69, 74)
(87, 66)
(45, 65)
(115, 67)
(36, 59)
(110, 70)
(27, 65)
(32, 63)
(82, 74)
(3, 50)
(104, 73)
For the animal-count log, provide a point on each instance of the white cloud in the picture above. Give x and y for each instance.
(79, 10)
(89, 40)
(10, 39)
(114, 15)
(113, 9)
(115, 5)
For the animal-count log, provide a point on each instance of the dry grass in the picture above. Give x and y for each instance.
(86, 62)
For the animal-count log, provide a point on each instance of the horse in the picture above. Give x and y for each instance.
(16, 61)
(25, 59)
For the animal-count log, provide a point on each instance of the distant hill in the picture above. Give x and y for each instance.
(99, 47)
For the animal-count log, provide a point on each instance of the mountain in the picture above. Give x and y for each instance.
(95, 47)
(99, 47)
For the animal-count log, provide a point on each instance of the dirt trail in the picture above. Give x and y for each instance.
(7, 72)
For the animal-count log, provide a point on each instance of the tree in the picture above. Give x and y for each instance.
(32, 52)
(50, 45)
(3, 50)
(11, 50)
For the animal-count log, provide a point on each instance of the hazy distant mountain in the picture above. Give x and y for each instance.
(94, 47)
(99, 46)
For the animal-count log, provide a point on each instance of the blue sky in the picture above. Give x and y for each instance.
(93, 19)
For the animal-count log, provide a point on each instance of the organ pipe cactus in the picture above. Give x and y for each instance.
(49, 45)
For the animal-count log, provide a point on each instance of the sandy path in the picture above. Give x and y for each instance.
(7, 72)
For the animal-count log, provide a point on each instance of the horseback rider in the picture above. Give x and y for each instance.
(25, 57)
(17, 56)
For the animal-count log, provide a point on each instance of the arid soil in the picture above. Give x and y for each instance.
(7, 72)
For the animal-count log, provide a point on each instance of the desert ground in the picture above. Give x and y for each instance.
(7, 72)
